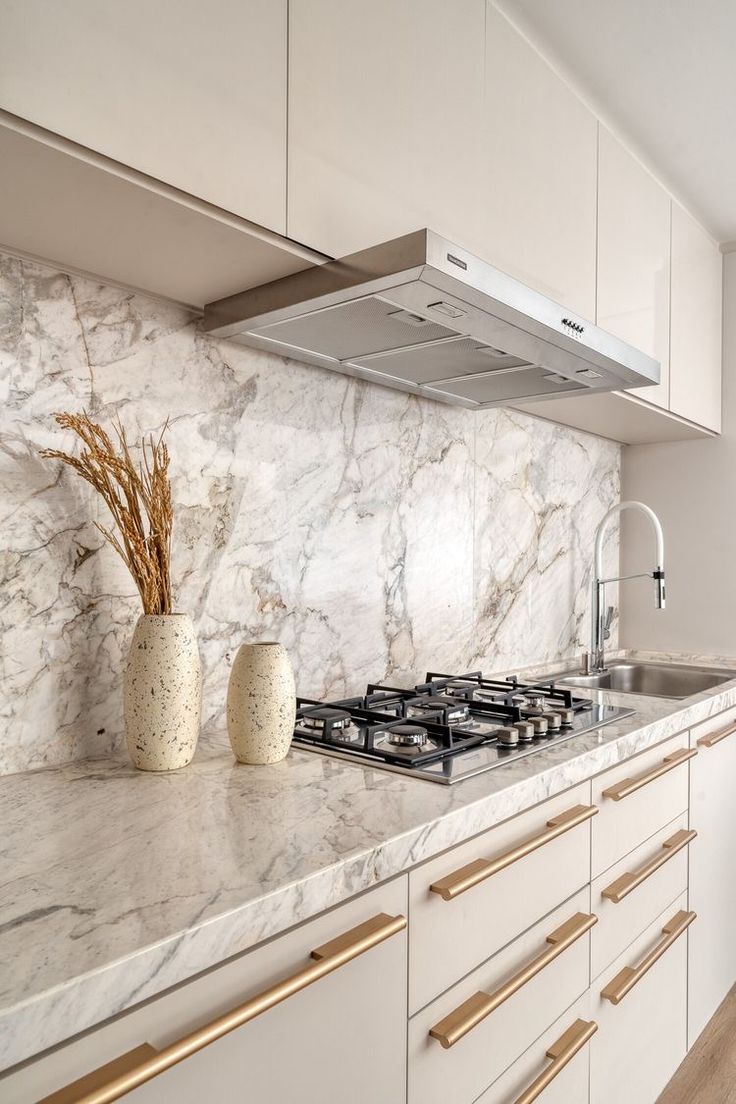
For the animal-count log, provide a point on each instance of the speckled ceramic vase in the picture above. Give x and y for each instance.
(163, 692)
(261, 703)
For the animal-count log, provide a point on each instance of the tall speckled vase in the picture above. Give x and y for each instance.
(261, 703)
(163, 692)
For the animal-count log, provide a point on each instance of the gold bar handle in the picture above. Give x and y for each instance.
(631, 785)
(623, 885)
(130, 1070)
(716, 737)
(561, 1052)
(475, 1009)
(627, 978)
(452, 885)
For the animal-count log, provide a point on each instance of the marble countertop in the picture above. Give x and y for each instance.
(118, 885)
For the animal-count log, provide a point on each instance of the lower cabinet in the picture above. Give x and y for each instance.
(465, 1039)
(342, 1037)
(640, 1006)
(712, 948)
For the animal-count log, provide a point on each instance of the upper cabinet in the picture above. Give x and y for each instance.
(538, 187)
(659, 281)
(195, 151)
(192, 94)
(385, 109)
(634, 259)
(432, 114)
(697, 275)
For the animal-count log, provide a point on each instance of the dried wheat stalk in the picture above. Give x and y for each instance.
(138, 497)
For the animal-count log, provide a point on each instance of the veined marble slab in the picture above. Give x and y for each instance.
(118, 885)
(374, 534)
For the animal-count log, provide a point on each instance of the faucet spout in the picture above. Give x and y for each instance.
(599, 628)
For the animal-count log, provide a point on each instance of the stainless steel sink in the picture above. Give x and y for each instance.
(655, 680)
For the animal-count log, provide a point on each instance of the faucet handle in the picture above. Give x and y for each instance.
(607, 622)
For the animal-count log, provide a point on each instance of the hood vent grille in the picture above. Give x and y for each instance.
(406, 314)
(355, 329)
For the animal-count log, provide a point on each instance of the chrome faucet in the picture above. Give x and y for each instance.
(601, 622)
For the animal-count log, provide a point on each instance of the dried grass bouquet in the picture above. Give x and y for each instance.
(138, 497)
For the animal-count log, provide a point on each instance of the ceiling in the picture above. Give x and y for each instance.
(662, 75)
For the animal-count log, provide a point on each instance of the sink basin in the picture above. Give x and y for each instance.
(655, 680)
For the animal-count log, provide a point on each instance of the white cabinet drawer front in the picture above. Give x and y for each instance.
(507, 899)
(711, 944)
(641, 1040)
(462, 1070)
(543, 1060)
(637, 798)
(631, 895)
(280, 1054)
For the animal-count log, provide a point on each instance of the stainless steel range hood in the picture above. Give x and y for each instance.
(423, 315)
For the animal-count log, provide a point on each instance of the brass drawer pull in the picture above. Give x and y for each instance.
(561, 1052)
(130, 1070)
(477, 871)
(626, 979)
(716, 737)
(475, 1009)
(631, 785)
(623, 885)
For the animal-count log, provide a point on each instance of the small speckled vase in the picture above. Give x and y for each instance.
(261, 703)
(163, 692)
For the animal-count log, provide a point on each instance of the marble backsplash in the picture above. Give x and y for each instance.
(374, 534)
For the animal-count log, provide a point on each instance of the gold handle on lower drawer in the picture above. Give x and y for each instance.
(475, 1009)
(631, 785)
(477, 871)
(623, 885)
(716, 737)
(561, 1052)
(627, 978)
(130, 1070)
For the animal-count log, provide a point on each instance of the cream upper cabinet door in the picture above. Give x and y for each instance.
(538, 209)
(695, 341)
(634, 258)
(385, 105)
(192, 94)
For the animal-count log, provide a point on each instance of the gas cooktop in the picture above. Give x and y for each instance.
(449, 727)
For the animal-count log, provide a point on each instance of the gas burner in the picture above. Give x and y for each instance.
(407, 735)
(325, 718)
(535, 700)
(449, 710)
(483, 695)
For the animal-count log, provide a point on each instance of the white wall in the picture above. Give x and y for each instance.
(692, 486)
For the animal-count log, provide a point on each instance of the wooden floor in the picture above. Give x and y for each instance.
(708, 1074)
